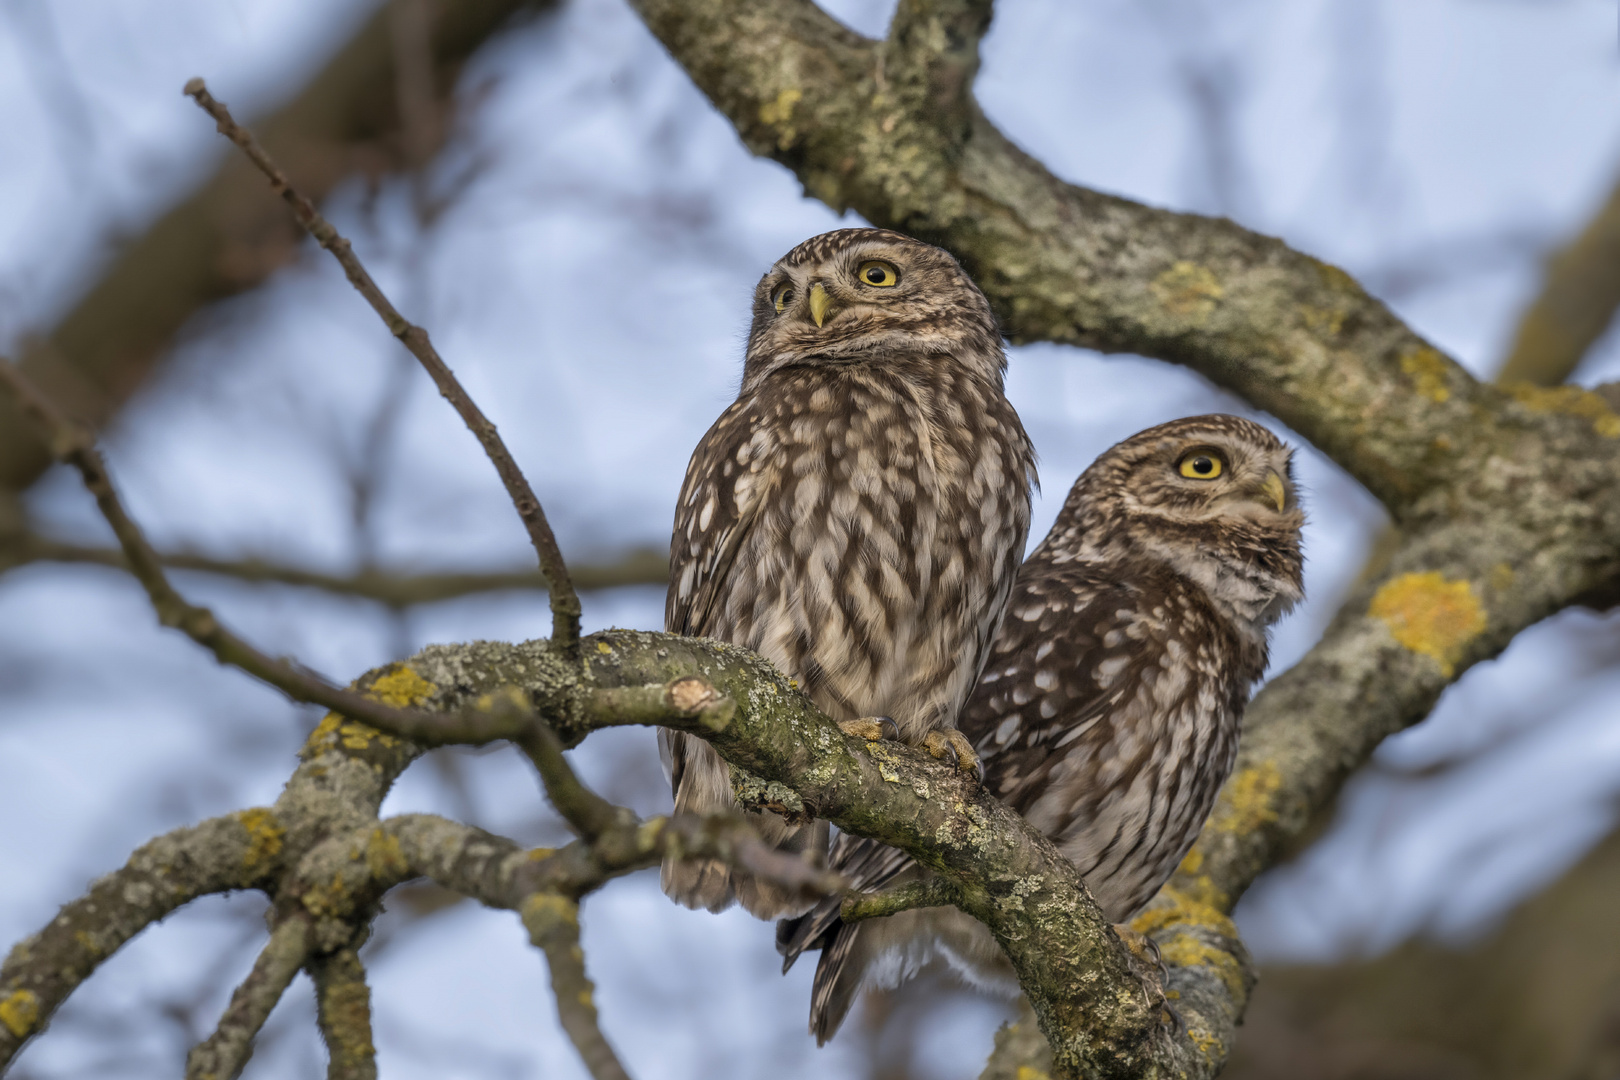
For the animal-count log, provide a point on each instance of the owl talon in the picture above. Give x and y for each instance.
(954, 743)
(870, 728)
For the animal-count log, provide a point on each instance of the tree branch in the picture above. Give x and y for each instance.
(565, 609)
(394, 588)
(238, 851)
(553, 925)
(1578, 299)
(227, 237)
(224, 1054)
(343, 1010)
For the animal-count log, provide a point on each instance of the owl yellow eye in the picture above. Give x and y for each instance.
(1201, 466)
(782, 297)
(877, 273)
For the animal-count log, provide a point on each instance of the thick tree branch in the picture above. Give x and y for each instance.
(1578, 299)
(565, 608)
(224, 1054)
(394, 588)
(228, 237)
(1061, 263)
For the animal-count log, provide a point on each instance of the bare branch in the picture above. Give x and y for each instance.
(565, 609)
(227, 237)
(397, 589)
(930, 892)
(343, 1010)
(1578, 299)
(224, 1054)
(553, 924)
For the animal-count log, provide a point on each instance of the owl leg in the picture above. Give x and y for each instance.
(870, 728)
(943, 741)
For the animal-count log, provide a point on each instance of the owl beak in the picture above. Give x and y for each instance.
(1275, 491)
(820, 303)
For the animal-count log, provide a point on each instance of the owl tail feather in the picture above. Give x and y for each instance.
(698, 883)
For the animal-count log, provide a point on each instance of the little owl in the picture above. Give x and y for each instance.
(856, 516)
(1108, 711)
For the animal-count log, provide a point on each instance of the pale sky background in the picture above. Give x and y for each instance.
(591, 288)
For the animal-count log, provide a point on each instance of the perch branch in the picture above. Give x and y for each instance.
(565, 608)
(553, 925)
(930, 892)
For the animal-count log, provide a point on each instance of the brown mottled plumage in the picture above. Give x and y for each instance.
(1108, 711)
(856, 516)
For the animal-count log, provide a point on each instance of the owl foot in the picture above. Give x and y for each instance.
(1148, 964)
(871, 728)
(939, 743)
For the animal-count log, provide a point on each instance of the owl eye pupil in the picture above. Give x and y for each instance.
(1203, 466)
(874, 275)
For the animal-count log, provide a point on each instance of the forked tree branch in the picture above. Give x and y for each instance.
(224, 1054)
(565, 608)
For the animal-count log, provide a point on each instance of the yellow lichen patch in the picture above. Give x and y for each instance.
(384, 859)
(1184, 950)
(1430, 615)
(400, 687)
(20, 1012)
(780, 110)
(1192, 863)
(1428, 371)
(1570, 400)
(1188, 291)
(330, 899)
(1208, 1045)
(1030, 1072)
(546, 910)
(604, 648)
(264, 836)
(1246, 803)
(1172, 907)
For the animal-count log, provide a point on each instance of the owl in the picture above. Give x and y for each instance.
(856, 516)
(1108, 711)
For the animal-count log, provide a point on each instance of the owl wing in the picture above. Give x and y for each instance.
(1072, 651)
(728, 480)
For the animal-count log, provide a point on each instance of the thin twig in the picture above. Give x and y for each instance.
(504, 717)
(394, 588)
(223, 1054)
(930, 892)
(565, 608)
(589, 813)
(343, 1009)
(553, 924)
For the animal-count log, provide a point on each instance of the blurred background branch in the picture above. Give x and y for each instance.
(231, 234)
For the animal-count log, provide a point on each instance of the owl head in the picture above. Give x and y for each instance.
(1212, 497)
(857, 295)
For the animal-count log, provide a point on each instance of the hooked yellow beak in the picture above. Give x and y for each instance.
(819, 303)
(1274, 491)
